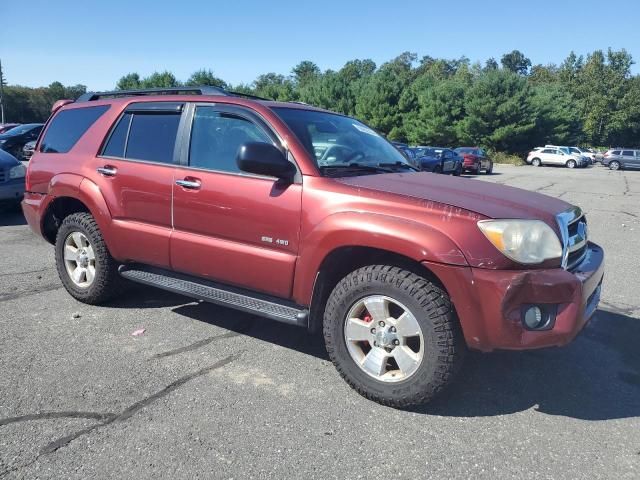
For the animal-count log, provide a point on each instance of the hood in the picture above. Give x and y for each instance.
(488, 199)
(7, 160)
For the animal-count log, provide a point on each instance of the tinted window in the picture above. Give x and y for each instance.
(118, 139)
(549, 150)
(627, 153)
(68, 126)
(615, 152)
(152, 137)
(217, 136)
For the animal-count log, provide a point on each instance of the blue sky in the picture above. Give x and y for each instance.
(95, 43)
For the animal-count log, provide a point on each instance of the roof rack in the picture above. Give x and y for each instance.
(202, 90)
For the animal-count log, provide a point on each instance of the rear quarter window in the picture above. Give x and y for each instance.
(68, 126)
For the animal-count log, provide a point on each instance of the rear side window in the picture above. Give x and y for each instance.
(627, 153)
(68, 126)
(149, 136)
(615, 152)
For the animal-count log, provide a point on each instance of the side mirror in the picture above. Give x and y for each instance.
(265, 159)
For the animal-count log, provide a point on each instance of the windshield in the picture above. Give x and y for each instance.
(18, 130)
(473, 151)
(337, 141)
(429, 151)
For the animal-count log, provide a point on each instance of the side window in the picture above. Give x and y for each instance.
(67, 127)
(144, 136)
(627, 153)
(217, 136)
(615, 152)
(549, 150)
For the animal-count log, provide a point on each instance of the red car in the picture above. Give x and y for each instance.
(311, 218)
(475, 160)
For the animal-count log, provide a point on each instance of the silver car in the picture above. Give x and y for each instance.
(619, 158)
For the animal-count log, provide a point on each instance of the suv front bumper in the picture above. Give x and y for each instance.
(489, 303)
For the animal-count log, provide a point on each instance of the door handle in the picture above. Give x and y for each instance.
(190, 184)
(107, 171)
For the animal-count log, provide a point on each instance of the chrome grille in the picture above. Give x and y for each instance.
(573, 231)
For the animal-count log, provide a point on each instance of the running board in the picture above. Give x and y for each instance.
(227, 296)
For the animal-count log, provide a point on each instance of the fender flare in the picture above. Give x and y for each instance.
(410, 239)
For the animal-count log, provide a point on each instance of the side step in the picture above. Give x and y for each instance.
(208, 291)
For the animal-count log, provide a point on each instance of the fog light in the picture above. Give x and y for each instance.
(533, 317)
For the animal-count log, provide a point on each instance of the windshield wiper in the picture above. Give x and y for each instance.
(357, 166)
(400, 164)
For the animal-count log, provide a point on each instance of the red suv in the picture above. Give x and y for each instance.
(311, 218)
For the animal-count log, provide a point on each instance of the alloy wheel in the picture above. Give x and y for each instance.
(384, 338)
(79, 259)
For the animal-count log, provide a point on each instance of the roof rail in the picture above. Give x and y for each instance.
(201, 90)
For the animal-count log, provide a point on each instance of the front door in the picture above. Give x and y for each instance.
(134, 173)
(231, 226)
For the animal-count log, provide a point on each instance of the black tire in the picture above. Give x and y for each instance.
(457, 172)
(436, 170)
(536, 162)
(107, 283)
(443, 348)
(571, 164)
(614, 165)
(489, 170)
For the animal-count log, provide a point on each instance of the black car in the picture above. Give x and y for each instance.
(439, 160)
(13, 140)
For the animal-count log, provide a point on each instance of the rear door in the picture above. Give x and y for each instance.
(628, 158)
(231, 226)
(135, 175)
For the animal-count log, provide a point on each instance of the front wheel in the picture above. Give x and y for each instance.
(489, 169)
(536, 162)
(84, 263)
(614, 165)
(392, 335)
(571, 164)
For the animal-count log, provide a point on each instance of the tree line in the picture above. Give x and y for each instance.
(509, 106)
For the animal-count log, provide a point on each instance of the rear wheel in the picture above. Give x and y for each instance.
(489, 170)
(392, 335)
(614, 165)
(84, 263)
(437, 170)
(536, 162)
(571, 164)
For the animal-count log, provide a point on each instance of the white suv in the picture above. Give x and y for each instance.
(555, 156)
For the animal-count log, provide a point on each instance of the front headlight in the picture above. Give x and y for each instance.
(523, 241)
(19, 171)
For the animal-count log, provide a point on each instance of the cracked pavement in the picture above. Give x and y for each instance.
(208, 392)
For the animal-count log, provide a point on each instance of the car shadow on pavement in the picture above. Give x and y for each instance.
(595, 378)
(11, 216)
(288, 336)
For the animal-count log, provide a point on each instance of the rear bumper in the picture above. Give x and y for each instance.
(32, 207)
(489, 303)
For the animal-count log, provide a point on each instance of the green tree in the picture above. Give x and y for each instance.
(130, 81)
(205, 77)
(516, 62)
(305, 72)
(499, 113)
(164, 79)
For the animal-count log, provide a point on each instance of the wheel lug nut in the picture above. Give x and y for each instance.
(381, 323)
(396, 342)
(373, 330)
(393, 329)
(375, 344)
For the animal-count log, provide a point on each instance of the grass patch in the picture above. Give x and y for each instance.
(501, 157)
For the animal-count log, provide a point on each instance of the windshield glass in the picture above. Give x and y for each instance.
(336, 140)
(473, 151)
(18, 130)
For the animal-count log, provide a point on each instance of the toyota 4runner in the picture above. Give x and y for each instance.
(311, 218)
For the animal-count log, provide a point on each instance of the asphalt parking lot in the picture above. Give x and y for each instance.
(207, 392)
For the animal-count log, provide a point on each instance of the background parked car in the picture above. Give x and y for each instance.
(13, 140)
(439, 160)
(622, 158)
(474, 159)
(555, 156)
(12, 174)
(27, 150)
(5, 127)
(585, 153)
